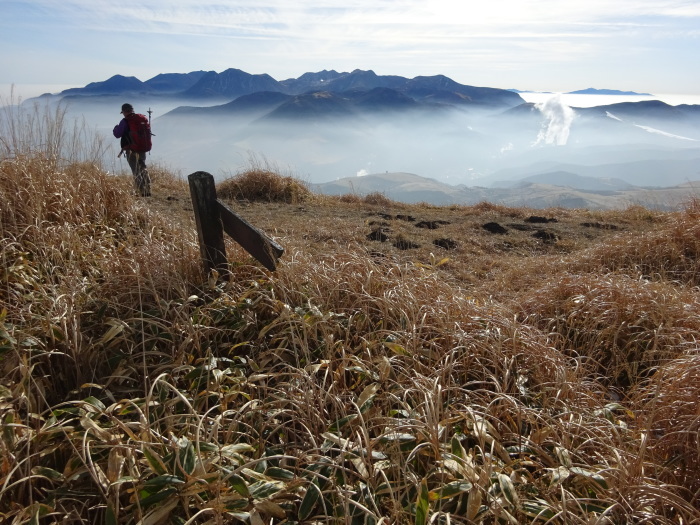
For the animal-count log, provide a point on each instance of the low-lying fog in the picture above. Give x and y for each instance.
(455, 146)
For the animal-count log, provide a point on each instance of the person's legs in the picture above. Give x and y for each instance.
(137, 162)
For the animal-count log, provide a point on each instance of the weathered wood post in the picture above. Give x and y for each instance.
(210, 229)
(214, 218)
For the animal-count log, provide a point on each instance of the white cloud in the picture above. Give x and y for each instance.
(499, 39)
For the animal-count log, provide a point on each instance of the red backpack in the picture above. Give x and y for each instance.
(139, 133)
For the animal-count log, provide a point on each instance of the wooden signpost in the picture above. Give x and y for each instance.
(213, 218)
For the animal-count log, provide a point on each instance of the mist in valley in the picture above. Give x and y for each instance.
(550, 142)
(451, 145)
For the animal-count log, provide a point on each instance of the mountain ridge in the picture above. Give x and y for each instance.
(232, 83)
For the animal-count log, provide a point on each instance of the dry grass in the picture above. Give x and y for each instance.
(262, 182)
(508, 379)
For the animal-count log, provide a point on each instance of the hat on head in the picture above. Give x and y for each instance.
(126, 107)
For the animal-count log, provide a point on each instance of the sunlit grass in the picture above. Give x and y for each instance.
(346, 387)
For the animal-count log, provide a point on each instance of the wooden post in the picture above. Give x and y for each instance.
(214, 218)
(256, 243)
(210, 230)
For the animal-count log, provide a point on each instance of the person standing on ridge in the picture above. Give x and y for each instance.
(134, 131)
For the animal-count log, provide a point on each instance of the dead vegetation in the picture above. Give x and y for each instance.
(499, 378)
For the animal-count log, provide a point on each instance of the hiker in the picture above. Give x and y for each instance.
(134, 131)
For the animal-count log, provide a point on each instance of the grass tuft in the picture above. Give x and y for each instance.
(263, 185)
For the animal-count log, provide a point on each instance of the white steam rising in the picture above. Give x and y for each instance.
(557, 124)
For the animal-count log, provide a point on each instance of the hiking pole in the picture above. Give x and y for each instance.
(149, 121)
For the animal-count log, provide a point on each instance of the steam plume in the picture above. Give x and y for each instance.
(557, 124)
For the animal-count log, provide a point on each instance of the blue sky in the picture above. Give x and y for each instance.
(639, 45)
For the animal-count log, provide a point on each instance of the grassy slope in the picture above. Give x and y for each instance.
(511, 378)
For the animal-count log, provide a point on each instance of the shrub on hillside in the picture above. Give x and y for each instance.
(259, 184)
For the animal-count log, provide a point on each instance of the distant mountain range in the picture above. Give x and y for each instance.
(327, 126)
(329, 93)
(594, 91)
(233, 83)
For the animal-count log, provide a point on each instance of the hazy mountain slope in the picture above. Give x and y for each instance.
(174, 82)
(113, 85)
(647, 172)
(602, 194)
(569, 180)
(251, 106)
(231, 83)
(310, 81)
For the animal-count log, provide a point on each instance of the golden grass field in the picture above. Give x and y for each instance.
(403, 364)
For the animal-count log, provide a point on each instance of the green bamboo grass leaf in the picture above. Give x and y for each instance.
(422, 503)
(313, 493)
(124, 479)
(594, 476)
(198, 372)
(188, 458)
(367, 396)
(456, 446)
(508, 489)
(596, 508)
(5, 393)
(265, 489)
(537, 509)
(160, 513)
(238, 484)
(154, 461)
(162, 481)
(450, 490)
(400, 437)
(47, 472)
(110, 516)
(207, 447)
(38, 511)
(93, 401)
(279, 473)
(396, 348)
(8, 429)
(151, 499)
